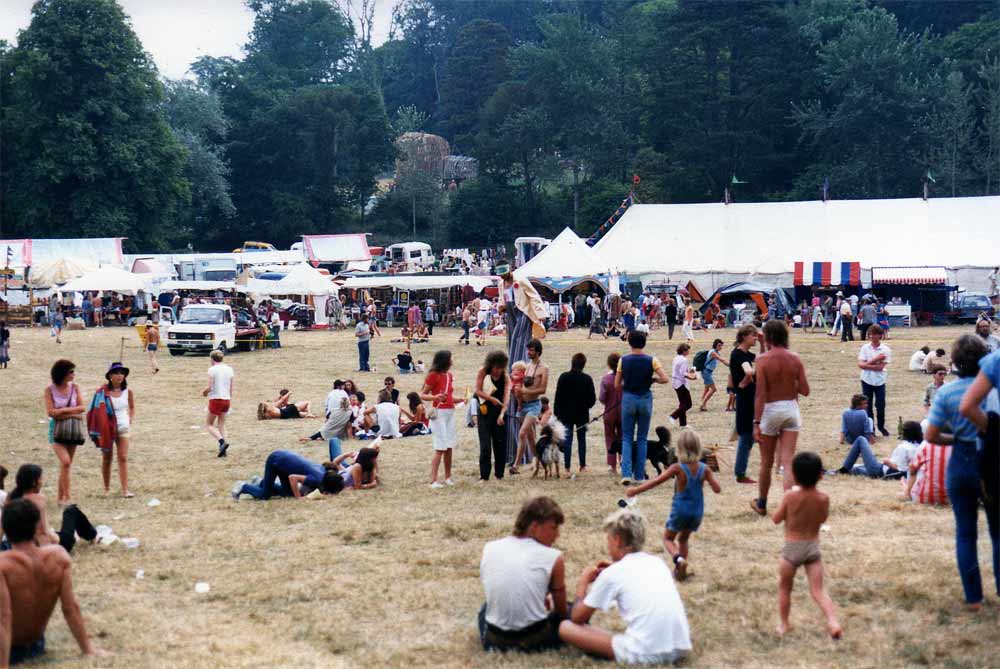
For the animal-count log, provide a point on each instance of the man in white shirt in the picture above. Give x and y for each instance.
(524, 581)
(918, 359)
(873, 359)
(219, 393)
(983, 328)
(336, 397)
(642, 588)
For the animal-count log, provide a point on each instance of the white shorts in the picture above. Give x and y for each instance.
(780, 416)
(688, 330)
(626, 653)
(443, 434)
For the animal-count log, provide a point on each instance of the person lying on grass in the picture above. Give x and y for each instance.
(284, 408)
(641, 586)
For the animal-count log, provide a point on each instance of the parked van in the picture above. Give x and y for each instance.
(411, 256)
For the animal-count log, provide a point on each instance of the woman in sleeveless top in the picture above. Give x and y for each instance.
(123, 403)
(63, 400)
(492, 412)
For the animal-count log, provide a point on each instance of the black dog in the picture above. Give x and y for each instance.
(658, 451)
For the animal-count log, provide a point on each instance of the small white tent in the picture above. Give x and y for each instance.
(303, 280)
(109, 279)
(564, 263)
(769, 237)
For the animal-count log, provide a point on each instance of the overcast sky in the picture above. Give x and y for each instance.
(177, 32)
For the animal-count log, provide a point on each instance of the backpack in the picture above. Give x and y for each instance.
(700, 359)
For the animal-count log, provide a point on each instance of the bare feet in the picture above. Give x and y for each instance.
(836, 631)
(680, 572)
(783, 628)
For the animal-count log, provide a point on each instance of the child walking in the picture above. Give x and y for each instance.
(688, 506)
(803, 510)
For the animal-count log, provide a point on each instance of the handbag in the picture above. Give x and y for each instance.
(69, 430)
(433, 412)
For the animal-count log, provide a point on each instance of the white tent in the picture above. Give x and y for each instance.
(769, 237)
(59, 271)
(420, 281)
(302, 280)
(109, 279)
(567, 256)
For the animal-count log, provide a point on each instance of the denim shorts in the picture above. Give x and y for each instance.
(532, 408)
(678, 522)
(706, 376)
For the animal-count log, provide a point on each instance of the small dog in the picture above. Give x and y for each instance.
(659, 452)
(548, 447)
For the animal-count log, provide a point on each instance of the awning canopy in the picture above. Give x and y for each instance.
(910, 275)
(561, 285)
(758, 292)
(109, 279)
(204, 286)
(420, 281)
(827, 274)
(336, 248)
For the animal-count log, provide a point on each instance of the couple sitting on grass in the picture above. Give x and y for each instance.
(288, 474)
(525, 582)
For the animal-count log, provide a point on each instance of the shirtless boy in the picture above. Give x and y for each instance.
(32, 578)
(803, 510)
(781, 378)
(536, 380)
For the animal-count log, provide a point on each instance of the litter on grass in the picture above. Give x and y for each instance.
(153, 502)
(201, 587)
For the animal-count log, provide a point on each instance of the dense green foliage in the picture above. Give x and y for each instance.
(561, 102)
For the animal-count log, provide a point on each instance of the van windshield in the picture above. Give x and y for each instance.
(202, 316)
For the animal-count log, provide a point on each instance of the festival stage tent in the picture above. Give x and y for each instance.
(565, 263)
(746, 239)
(108, 279)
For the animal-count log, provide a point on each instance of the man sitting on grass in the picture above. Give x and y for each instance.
(32, 579)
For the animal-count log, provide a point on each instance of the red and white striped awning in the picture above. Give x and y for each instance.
(910, 275)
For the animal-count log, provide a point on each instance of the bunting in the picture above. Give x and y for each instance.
(619, 212)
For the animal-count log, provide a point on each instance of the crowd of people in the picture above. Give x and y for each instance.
(950, 458)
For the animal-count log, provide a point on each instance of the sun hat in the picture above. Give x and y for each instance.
(116, 367)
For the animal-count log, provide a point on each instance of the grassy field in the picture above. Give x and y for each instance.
(390, 577)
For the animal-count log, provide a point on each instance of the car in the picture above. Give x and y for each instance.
(203, 328)
(969, 307)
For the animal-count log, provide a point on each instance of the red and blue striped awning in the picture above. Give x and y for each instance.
(827, 274)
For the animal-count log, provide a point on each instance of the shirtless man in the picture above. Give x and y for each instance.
(804, 510)
(32, 578)
(781, 378)
(536, 381)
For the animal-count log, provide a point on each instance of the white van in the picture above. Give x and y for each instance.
(410, 256)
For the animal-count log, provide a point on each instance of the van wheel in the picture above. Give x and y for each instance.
(251, 344)
(175, 351)
(222, 347)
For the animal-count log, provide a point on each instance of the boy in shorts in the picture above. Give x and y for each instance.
(219, 393)
(803, 510)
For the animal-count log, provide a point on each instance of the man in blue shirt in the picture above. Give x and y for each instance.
(858, 430)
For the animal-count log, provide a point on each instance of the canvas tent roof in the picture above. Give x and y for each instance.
(59, 271)
(336, 248)
(567, 256)
(420, 281)
(768, 237)
(108, 279)
(301, 280)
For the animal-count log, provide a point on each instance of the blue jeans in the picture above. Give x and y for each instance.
(581, 444)
(363, 356)
(268, 488)
(334, 448)
(872, 466)
(743, 447)
(637, 411)
(876, 403)
(964, 493)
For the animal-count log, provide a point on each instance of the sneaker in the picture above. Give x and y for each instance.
(448, 481)
(436, 485)
(256, 480)
(223, 447)
(237, 487)
(745, 479)
(673, 421)
(758, 509)
(626, 480)
(680, 571)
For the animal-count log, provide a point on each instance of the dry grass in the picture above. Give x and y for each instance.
(389, 578)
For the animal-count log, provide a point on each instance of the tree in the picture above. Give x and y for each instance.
(989, 161)
(476, 65)
(88, 151)
(198, 123)
(864, 127)
(949, 128)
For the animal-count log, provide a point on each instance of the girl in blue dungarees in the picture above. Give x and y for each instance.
(688, 506)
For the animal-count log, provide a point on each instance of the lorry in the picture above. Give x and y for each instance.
(203, 328)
